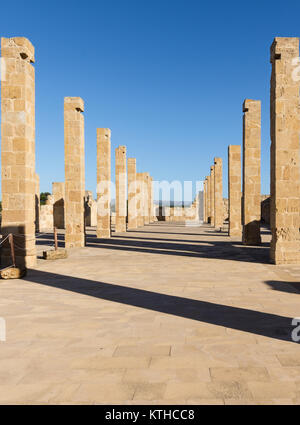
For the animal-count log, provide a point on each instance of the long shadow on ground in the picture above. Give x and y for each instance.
(254, 322)
(208, 249)
(223, 250)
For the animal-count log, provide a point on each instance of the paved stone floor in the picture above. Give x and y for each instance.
(163, 315)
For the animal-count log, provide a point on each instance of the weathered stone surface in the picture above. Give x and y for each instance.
(12, 273)
(251, 172)
(196, 322)
(218, 175)
(103, 182)
(234, 190)
(18, 149)
(285, 173)
(58, 192)
(121, 186)
(74, 172)
(212, 195)
(46, 215)
(225, 209)
(132, 194)
(55, 254)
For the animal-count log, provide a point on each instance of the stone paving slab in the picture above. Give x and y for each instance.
(165, 314)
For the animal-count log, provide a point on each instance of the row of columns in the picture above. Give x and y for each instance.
(213, 195)
(20, 183)
(19, 179)
(244, 204)
(130, 214)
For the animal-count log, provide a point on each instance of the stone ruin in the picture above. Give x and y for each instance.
(72, 208)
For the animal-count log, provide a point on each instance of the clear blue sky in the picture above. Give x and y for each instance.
(167, 76)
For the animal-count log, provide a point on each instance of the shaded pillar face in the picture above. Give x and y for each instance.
(251, 172)
(74, 172)
(208, 200)
(132, 194)
(285, 128)
(103, 182)
(18, 150)
(121, 183)
(212, 195)
(234, 190)
(58, 192)
(219, 212)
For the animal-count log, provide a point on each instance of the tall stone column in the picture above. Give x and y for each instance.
(205, 200)
(146, 198)
(285, 130)
(74, 172)
(103, 182)
(121, 183)
(234, 190)
(140, 199)
(132, 194)
(153, 214)
(208, 200)
(219, 214)
(18, 150)
(212, 195)
(251, 172)
(58, 192)
(37, 202)
(151, 206)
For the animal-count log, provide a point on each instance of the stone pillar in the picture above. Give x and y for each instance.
(103, 183)
(151, 203)
(37, 202)
(146, 198)
(212, 195)
(219, 213)
(18, 150)
(58, 192)
(234, 190)
(204, 200)
(285, 130)
(251, 172)
(132, 194)
(208, 200)
(140, 199)
(74, 172)
(121, 183)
